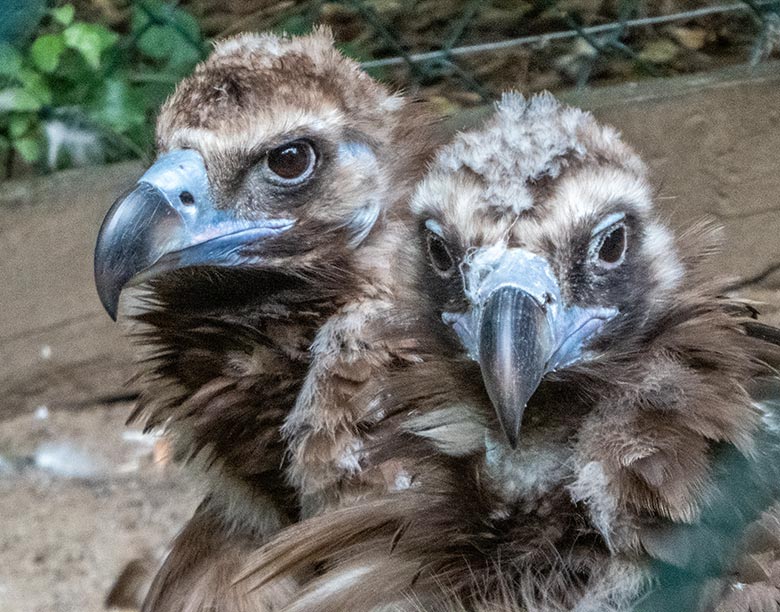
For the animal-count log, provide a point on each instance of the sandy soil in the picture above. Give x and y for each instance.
(81, 497)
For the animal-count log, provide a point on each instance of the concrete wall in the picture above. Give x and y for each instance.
(712, 141)
(57, 346)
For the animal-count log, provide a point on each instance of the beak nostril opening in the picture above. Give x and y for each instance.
(186, 198)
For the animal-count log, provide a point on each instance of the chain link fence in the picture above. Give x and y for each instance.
(470, 50)
(570, 47)
(465, 52)
(85, 88)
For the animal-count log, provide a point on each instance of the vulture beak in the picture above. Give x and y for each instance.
(169, 221)
(518, 328)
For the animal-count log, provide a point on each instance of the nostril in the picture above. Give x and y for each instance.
(186, 198)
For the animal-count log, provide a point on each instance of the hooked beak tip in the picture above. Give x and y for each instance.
(519, 329)
(108, 293)
(108, 286)
(514, 343)
(111, 311)
(512, 436)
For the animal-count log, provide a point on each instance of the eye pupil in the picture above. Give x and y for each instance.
(186, 198)
(291, 161)
(613, 246)
(439, 254)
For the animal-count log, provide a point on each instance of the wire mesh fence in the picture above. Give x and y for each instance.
(571, 47)
(67, 101)
(468, 51)
(464, 52)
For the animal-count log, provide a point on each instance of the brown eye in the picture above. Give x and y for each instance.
(292, 163)
(613, 246)
(439, 254)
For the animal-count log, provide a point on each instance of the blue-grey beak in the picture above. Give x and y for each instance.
(169, 221)
(519, 330)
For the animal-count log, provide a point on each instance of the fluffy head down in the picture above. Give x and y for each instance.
(547, 179)
(254, 84)
(527, 142)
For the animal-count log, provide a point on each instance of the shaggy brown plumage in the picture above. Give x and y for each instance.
(228, 348)
(646, 469)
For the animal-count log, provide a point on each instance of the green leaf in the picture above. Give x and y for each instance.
(46, 51)
(74, 68)
(188, 25)
(167, 43)
(29, 148)
(5, 144)
(156, 42)
(10, 61)
(19, 125)
(164, 14)
(168, 33)
(89, 39)
(183, 60)
(118, 106)
(139, 18)
(18, 99)
(63, 14)
(34, 84)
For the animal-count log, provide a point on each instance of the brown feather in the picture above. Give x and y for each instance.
(226, 351)
(620, 457)
(198, 574)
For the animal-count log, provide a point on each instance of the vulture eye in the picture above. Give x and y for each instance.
(439, 254)
(610, 247)
(290, 164)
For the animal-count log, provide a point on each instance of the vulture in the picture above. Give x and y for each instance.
(256, 245)
(587, 424)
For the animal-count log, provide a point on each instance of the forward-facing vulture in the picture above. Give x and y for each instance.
(260, 240)
(588, 426)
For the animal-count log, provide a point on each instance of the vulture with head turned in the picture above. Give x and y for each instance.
(590, 424)
(260, 239)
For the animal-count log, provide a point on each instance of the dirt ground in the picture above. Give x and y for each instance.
(81, 497)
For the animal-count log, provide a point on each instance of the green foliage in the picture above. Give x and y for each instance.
(64, 15)
(90, 40)
(46, 52)
(80, 93)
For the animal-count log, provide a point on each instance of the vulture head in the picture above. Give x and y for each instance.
(273, 156)
(619, 378)
(277, 160)
(544, 251)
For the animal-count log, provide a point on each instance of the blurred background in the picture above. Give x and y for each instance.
(88, 505)
(80, 82)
